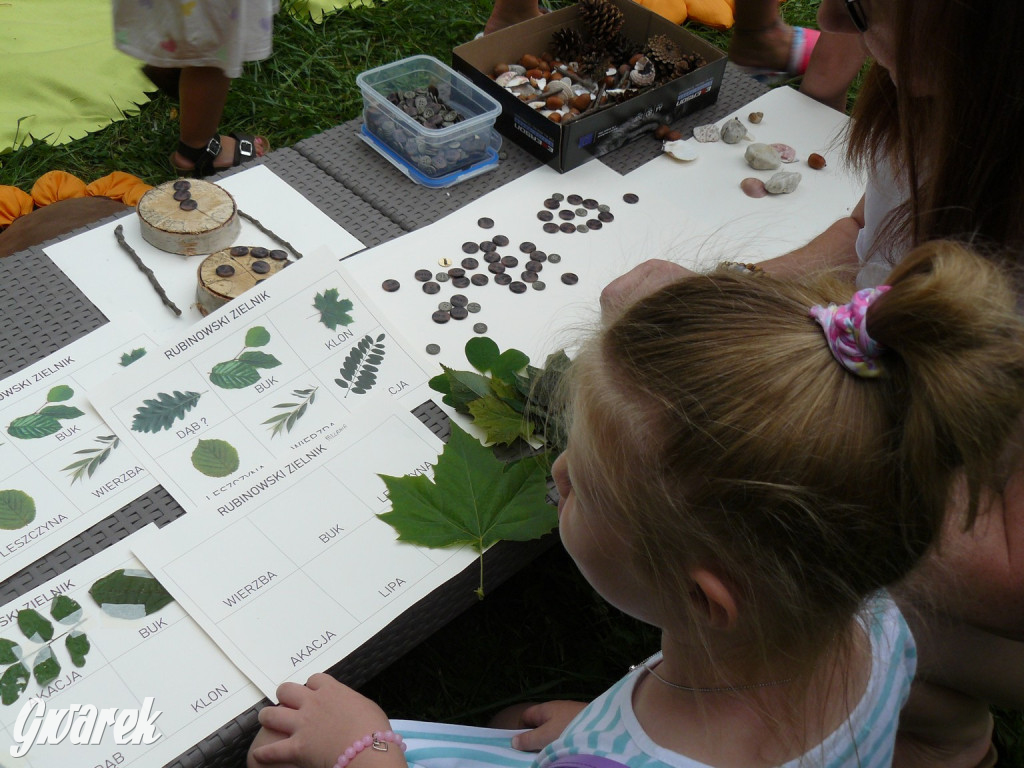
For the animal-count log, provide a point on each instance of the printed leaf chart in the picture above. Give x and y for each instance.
(359, 371)
(38, 629)
(215, 458)
(46, 420)
(96, 456)
(130, 357)
(17, 509)
(243, 370)
(161, 413)
(285, 420)
(510, 403)
(474, 499)
(333, 311)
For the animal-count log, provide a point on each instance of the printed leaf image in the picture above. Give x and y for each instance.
(46, 419)
(243, 369)
(215, 458)
(10, 651)
(161, 413)
(46, 668)
(359, 370)
(473, 499)
(333, 311)
(17, 509)
(130, 357)
(78, 647)
(95, 457)
(13, 683)
(66, 610)
(35, 626)
(285, 420)
(129, 594)
(59, 394)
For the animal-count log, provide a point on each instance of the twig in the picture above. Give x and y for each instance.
(270, 232)
(119, 234)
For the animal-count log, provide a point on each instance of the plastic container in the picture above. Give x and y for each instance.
(423, 86)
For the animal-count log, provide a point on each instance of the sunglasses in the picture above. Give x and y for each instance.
(856, 11)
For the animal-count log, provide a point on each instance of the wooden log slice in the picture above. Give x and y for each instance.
(230, 272)
(189, 217)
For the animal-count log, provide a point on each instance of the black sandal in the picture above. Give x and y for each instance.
(202, 158)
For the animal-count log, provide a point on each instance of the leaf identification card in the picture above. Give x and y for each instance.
(277, 368)
(62, 469)
(105, 639)
(295, 570)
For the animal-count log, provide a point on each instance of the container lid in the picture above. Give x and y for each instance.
(436, 182)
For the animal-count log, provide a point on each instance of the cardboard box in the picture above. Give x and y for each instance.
(566, 146)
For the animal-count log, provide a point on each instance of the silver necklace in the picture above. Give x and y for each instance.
(700, 689)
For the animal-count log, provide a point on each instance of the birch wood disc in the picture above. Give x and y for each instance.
(215, 290)
(212, 225)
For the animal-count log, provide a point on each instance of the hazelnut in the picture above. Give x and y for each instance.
(500, 69)
(635, 58)
(581, 102)
(661, 131)
(673, 136)
(555, 75)
(535, 73)
(554, 102)
(529, 61)
(816, 161)
(555, 117)
(609, 81)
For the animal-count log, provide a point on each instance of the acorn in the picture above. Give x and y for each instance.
(555, 117)
(530, 61)
(500, 69)
(581, 102)
(554, 102)
(535, 73)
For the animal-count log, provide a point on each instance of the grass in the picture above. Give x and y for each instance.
(557, 639)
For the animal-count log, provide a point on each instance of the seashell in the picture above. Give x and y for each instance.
(753, 187)
(783, 182)
(561, 87)
(733, 132)
(519, 69)
(706, 133)
(786, 153)
(537, 105)
(680, 150)
(755, 117)
(539, 83)
(762, 157)
(525, 91)
(510, 79)
(816, 161)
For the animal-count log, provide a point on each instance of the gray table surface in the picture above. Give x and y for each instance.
(41, 310)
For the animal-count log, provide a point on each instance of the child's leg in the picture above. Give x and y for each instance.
(508, 12)
(202, 93)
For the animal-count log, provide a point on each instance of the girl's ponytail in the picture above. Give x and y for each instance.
(955, 363)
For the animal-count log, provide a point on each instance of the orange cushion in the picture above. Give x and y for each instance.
(118, 186)
(57, 185)
(13, 203)
(673, 10)
(712, 13)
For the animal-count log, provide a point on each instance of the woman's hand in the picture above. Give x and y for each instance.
(643, 280)
(316, 722)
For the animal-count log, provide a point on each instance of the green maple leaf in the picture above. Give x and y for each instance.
(473, 499)
(333, 311)
(500, 421)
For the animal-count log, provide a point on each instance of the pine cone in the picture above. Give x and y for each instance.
(621, 49)
(592, 64)
(662, 51)
(568, 44)
(687, 63)
(602, 19)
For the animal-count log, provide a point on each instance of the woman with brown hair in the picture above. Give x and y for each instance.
(935, 127)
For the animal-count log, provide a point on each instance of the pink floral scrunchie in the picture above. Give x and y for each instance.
(845, 327)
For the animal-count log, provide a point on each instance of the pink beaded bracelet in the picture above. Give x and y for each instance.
(377, 740)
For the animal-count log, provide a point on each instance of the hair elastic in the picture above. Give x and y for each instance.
(845, 327)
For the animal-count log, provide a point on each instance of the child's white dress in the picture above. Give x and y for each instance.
(195, 33)
(608, 726)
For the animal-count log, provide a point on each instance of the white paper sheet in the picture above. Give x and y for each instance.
(164, 655)
(299, 361)
(44, 499)
(295, 571)
(111, 280)
(694, 214)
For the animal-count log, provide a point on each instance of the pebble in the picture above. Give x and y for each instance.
(783, 182)
(706, 134)
(753, 187)
(786, 153)
(733, 132)
(762, 157)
